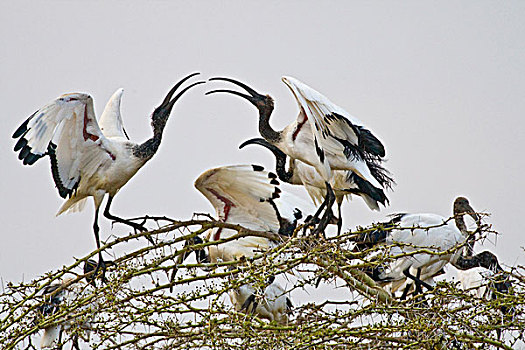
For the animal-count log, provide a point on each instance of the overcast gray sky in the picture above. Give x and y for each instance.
(441, 83)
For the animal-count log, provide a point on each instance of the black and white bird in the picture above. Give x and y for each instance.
(274, 303)
(67, 293)
(482, 282)
(90, 158)
(323, 136)
(249, 196)
(345, 183)
(409, 233)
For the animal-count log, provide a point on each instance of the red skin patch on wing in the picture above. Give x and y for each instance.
(89, 136)
(227, 206)
(85, 133)
(299, 126)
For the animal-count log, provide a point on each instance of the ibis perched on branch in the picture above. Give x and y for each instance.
(66, 292)
(345, 183)
(90, 158)
(249, 196)
(274, 305)
(323, 136)
(411, 233)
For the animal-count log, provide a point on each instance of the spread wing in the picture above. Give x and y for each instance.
(239, 194)
(338, 137)
(110, 121)
(67, 131)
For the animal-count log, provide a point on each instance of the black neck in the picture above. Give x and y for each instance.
(484, 259)
(147, 149)
(280, 169)
(265, 128)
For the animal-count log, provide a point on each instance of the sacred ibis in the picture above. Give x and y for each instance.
(274, 305)
(64, 293)
(90, 158)
(249, 196)
(345, 183)
(482, 282)
(323, 136)
(409, 233)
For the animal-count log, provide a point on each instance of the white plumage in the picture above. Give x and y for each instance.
(242, 194)
(439, 237)
(345, 183)
(89, 158)
(409, 233)
(475, 281)
(52, 303)
(274, 305)
(333, 134)
(323, 136)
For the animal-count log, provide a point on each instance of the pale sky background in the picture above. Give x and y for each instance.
(442, 84)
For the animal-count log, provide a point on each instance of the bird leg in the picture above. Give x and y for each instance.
(136, 226)
(417, 280)
(340, 219)
(286, 227)
(418, 290)
(200, 255)
(312, 220)
(100, 264)
(328, 215)
(91, 265)
(405, 291)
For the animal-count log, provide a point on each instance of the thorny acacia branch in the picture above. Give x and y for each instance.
(136, 309)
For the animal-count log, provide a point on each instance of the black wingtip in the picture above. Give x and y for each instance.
(22, 128)
(24, 152)
(20, 144)
(31, 159)
(257, 167)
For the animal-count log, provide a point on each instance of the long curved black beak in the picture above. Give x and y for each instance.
(472, 213)
(255, 98)
(167, 105)
(260, 141)
(462, 206)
